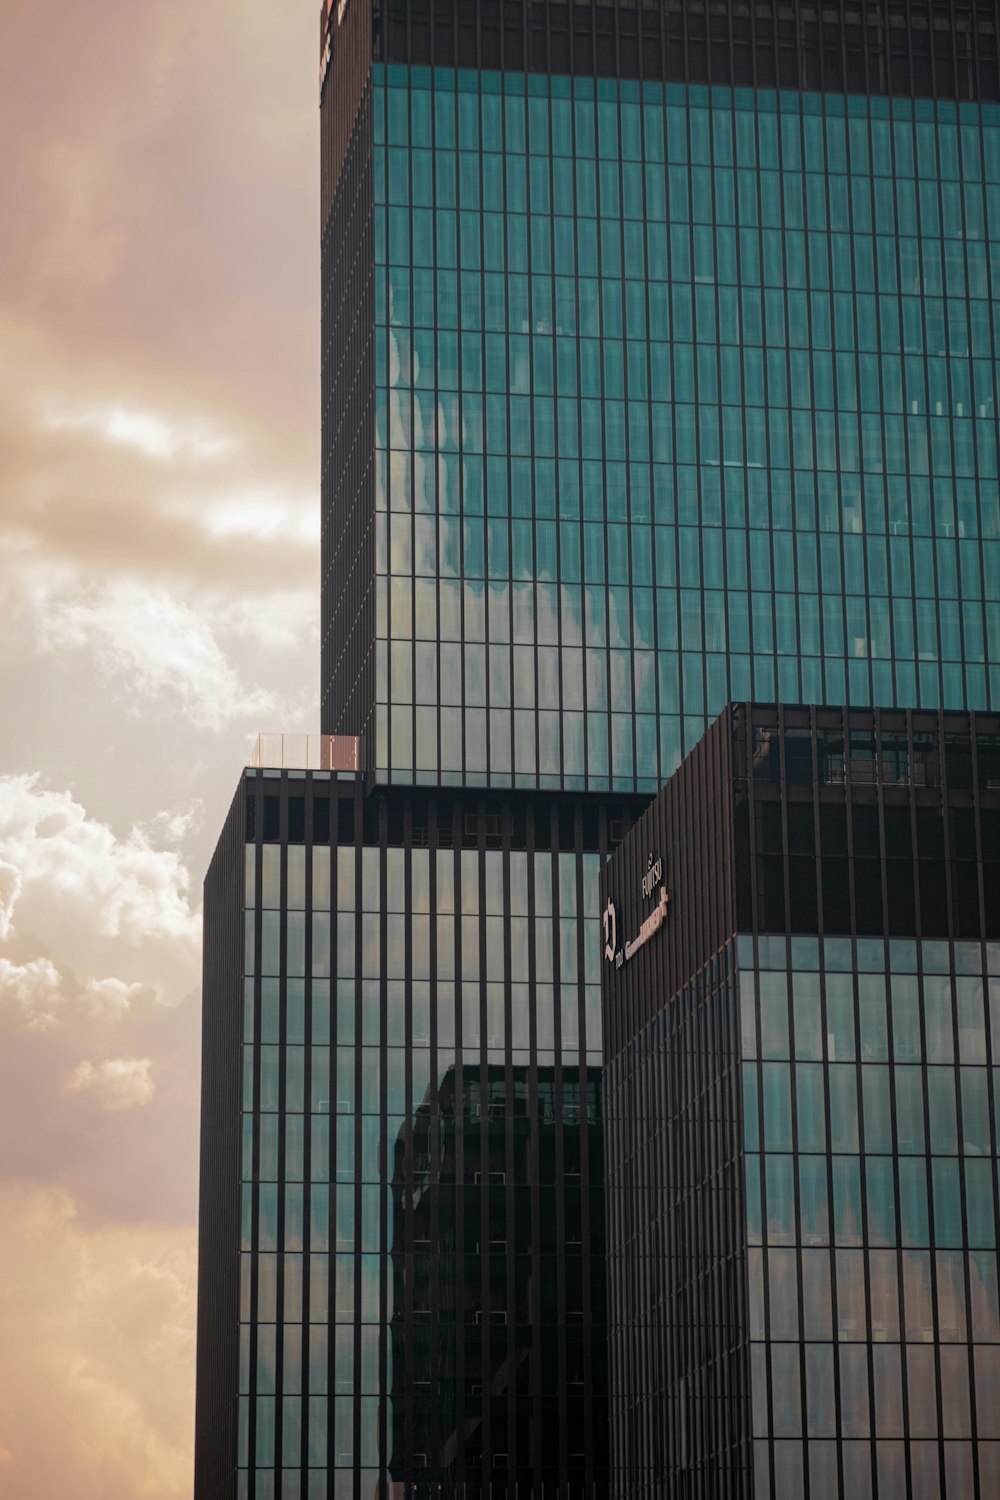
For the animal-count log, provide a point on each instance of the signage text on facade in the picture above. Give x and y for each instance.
(651, 924)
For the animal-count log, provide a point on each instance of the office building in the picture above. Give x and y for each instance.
(657, 372)
(802, 1032)
(402, 1224)
(653, 390)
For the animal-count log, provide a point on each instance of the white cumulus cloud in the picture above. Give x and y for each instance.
(110, 999)
(153, 435)
(69, 867)
(40, 997)
(33, 991)
(119, 1083)
(10, 889)
(263, 515)
(174, 825)
(155, 645)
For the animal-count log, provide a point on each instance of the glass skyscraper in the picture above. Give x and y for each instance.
(658, 371)
(800, 1095)
(678, 394)
(402, 1223)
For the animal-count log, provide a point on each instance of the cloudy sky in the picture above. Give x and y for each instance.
(159, 419)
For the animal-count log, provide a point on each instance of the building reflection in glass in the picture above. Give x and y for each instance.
(498, 1363)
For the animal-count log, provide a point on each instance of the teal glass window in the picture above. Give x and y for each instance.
(834, 332)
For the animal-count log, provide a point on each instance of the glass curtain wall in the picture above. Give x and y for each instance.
(422, 1232)
(683, 395)
(870, 1092)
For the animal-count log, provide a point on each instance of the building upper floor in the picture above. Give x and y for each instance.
(664, 397)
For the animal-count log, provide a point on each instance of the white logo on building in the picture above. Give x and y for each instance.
(610, 931)
(652, 884)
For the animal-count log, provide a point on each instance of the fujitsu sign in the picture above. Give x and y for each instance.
(652, 884)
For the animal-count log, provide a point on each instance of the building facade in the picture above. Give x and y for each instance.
(403, 1138)
(646, 393)
(658, 371)
(800, 1102)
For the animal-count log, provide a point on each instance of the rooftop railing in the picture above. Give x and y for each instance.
(307, 752)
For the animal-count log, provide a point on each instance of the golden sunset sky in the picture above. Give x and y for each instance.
(159, 459)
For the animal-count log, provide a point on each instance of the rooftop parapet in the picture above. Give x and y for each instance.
(307, 752)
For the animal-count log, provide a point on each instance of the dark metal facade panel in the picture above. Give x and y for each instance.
(343, 80)
(347, 553)
(690, 828)
(678, 1325)
(218, 1211)
(916, 48)
(678, 1334)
